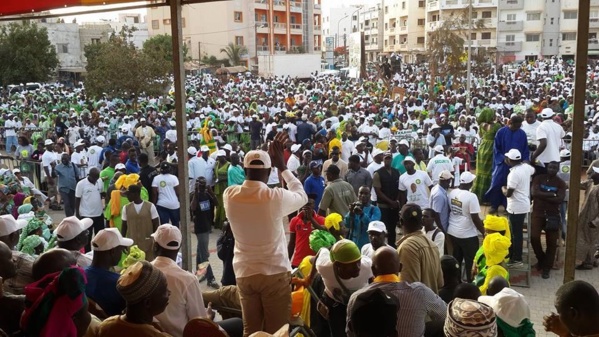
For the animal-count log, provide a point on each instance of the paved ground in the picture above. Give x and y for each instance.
(540, 295)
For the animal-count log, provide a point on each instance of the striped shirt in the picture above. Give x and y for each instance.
(416, 303)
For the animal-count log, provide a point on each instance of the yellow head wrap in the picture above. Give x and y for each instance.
(333, 220)
(496, 248)
(498, 224)
(131, 179)
(120, 182)
(27, 200)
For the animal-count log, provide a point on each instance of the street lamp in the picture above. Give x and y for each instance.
(339, 33)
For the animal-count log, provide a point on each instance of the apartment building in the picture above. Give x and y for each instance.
(265, 27)
(371, 21)
(337, 24)
(405, 28)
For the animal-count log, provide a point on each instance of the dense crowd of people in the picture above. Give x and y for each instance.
(379, 190)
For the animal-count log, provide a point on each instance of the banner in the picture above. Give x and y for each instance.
(13, 7)
(354, 49)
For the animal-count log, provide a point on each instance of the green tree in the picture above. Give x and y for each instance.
(26, 54)
(447, 45)
(234, 52)
(213, 61)
(161, 46)
(116, 67)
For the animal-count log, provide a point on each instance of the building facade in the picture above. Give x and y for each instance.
(263, 26)
(371, 21)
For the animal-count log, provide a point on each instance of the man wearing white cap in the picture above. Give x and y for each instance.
(261, 261)
(108, 246)
(73, 234)
(517, 192)
(293, 163)
(414, 185)
(377, 234)
(171, 134)
(49, 159)
(10, 133)
(464, 222)
(79, 158)
(10, 230)
(196, 167)
(145, 135)
(549, 135)
(94, 152)
(209, 163)
(434, 138)
(438, 163)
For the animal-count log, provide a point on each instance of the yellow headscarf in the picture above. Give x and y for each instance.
(131, 179)
(498, 224)
(496, 248)
(333, 220)
(120, 182)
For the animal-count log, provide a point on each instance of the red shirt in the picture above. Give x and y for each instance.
(302, 230)
(123, 156)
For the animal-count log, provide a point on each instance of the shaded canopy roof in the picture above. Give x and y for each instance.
(13, 7)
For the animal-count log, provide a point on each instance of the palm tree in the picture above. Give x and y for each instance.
(234, 52)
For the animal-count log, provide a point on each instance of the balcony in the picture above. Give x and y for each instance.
(280, 50)
(433, 25)
(403, 46)
(317, 29)
(280, 28)
(511, 46)
(262, 50)
(513, 4)
(486, 3)
(593, 44)
(279, 5)
(295, 7)
(392, 30)
(594, 22)
(487, 22)
(432, 6)
(317, 48)
(403, 28)
(594, 2)
(510, 26)
(450, 4)
(262, 27)
(296, 28)
(317, 6)
(261, 4)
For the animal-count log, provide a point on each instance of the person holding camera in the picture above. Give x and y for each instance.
(360, 214)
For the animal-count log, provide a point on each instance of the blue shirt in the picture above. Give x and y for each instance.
(101, 288)
(358, 229)
(67, 176)
(132, 167)
(315, 185)
(439, 202)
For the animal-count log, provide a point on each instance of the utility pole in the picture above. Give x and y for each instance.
(580, 78)
(468, 84)
(200, 51)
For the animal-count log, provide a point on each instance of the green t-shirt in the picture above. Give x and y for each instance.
(106, 176)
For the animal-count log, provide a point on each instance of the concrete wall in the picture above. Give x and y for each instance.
(67, 34)
(295, 65)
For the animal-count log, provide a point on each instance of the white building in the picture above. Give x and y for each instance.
(371, 23)
(404, 28)
(337, 23)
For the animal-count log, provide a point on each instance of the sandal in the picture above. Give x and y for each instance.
(584, 266)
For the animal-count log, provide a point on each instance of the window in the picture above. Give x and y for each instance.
(533, 16)
(474, 15)
(551, 21)
(166, 22)
(420, 22)
(570, 15)
(511, 17)
(510, 38)
(533, 37)
(550, 42)
(487, 15)
(472, 36)
(485, 36)
(421, 4)
(62, 48)
(238, 16)
(95, 41)
(420, 40)
(182, 22)
(239, 40)
(155, 24)
(403, 5)
(569, 37)
(386, 9)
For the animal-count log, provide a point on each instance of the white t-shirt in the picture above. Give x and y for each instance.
(324, 266)
(137, 207)
(417, 187)
(439, 239)
(93, 159)
(373, 167)
(80, 158)
(347, 147)
(519, 180)
(531, 131)
(462, 204)
(48, 158)
(10, 124)
(166, 184)
(368, 250)
(437, 164)
(91, 198)
(553, 133)
(293, 163)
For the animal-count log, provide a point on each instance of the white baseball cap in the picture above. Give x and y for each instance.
(100, 139)
(108, 239)
(70, 227)
(79, 143)
(142, 120)
(404, 142)
(168, 236)
(295, 148)
(204, 148)
(48, 142)
(514, 154)
(467, 177)
(377, 226)
(120, 166)
(9, 225)
(172, 123)
(376, 152)
(192, 150)
(445, 175)
(508, 305)
(228, 147)
(257, 155)
(16, 170)
(439, 149)
(409, 158)
(564, 153)
(547, 113)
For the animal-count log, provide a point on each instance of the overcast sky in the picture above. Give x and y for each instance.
(112, 16)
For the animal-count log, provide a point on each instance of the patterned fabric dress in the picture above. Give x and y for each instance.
(484, 160)
(220, 187)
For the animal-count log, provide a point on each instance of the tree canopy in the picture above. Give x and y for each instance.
(160, 46)
(116, 67)
(26, 53)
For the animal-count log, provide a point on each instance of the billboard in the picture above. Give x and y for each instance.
(354, 48)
